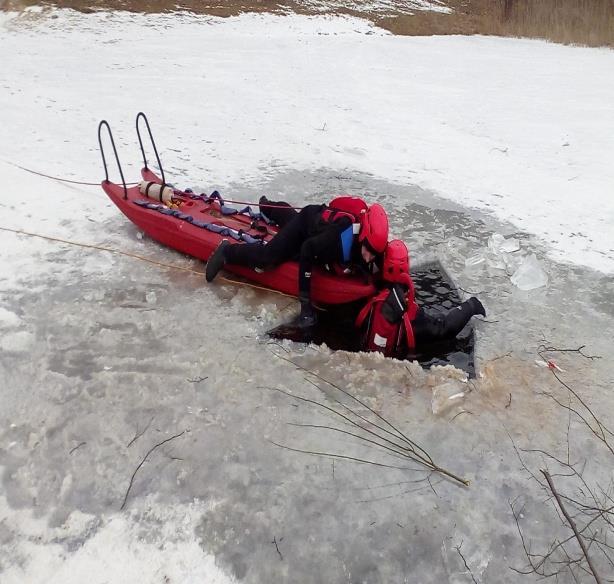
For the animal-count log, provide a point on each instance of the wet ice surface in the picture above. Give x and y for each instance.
(98, 353)
(103, 358)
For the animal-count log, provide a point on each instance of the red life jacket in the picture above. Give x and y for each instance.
(354, 209)
(346, 206)
(383, 336)
(370, 224)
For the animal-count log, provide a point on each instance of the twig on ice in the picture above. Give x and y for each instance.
(77, 446)
(572, 525)
(197, 379)
(143, 462)
(139, 434)
(458, 549)
(277, 547)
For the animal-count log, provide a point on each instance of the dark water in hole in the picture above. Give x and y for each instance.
(435, 292)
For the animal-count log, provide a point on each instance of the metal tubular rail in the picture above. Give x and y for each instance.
(105, 124)
(142, 116)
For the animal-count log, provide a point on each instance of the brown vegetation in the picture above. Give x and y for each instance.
(583, 22)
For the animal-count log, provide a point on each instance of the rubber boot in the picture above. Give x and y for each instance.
(456, 318)
(278, 212)
(307, 318)
(217, 261)
(478, 307)
(263, 202)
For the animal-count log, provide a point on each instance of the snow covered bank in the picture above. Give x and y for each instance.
(521, 129)
(377, 6)
(111, 549)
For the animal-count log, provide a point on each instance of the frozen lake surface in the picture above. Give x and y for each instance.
(104, 357)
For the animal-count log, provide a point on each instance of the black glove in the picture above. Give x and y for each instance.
(395, 305)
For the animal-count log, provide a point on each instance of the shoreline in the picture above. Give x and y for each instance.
(569, 23)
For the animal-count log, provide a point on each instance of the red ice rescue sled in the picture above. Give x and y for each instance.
(195, 225)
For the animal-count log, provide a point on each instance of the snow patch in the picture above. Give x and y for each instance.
(111, 550)
(378, 6)
(8, 318)
(18, 341)
(506, 126)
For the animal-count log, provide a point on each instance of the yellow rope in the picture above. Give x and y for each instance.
(139, 257)
(74, 182)
(255, 287)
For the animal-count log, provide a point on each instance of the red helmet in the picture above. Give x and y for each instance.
(374, 228)
(396, 263)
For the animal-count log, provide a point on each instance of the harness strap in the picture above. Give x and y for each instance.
(226, 210)
(147, 188)
(239, 235)
(409, 331)
(412, 307)
(366, 309)
(330, 214)
(408, 315)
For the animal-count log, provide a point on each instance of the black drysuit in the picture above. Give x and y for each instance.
(428, 328)
(337, 327)
(304, 236)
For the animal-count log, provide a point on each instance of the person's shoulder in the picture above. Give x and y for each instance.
(343, 222)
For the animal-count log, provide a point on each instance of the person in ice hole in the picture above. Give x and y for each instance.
(392, 323)
(346, 233)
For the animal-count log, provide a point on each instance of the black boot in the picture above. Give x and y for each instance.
(307, 319)
(216, 261)
(264, 202)
(478, 307)
(278, 212)
(448, 326)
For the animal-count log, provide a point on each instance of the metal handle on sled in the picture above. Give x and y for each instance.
(104, 160)
(138, 133)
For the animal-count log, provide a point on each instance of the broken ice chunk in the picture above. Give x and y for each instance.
(495, 241)
(475, 259)
(510, 245)
(497, 244)
(529, 274)
(446, 396)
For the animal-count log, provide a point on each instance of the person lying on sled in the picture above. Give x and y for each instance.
(392, 323)
(346, 232)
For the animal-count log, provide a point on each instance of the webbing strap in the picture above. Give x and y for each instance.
(239, 235)
(407, 316)
(245, 211)
(366, 309)
(409, 331)
(226, 210)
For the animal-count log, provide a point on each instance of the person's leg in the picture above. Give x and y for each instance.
(428, 328)
(456, 318)
(279, 212)
(284, 246)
